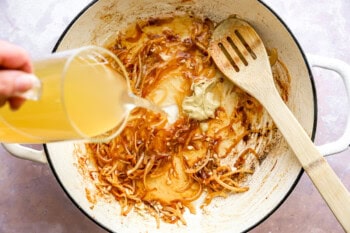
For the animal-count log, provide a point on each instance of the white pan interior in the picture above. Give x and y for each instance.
(272, 181)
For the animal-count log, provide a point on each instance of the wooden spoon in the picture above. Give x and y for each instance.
(241, 55)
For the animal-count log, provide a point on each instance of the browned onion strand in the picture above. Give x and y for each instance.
(151, 155)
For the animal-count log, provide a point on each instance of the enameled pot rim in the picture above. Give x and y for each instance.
(91, 4)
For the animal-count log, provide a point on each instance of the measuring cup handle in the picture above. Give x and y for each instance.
(343, 69)
(24, 152)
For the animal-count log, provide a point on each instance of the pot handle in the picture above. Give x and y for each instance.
(343, 69)
(24, 152)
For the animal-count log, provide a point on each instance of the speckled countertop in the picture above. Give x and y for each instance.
(31, 199)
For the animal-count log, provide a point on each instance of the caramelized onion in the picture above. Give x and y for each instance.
(183, 158)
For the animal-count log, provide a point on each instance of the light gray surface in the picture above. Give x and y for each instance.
(31, 200)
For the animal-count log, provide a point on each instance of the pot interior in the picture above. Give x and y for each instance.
(99, 23)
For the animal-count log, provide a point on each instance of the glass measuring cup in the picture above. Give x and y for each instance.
(82, 94)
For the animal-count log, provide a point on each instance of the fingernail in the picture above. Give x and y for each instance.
(25, 82)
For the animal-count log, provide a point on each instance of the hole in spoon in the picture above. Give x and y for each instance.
(229, 58)
(246, 45)
(238, 52)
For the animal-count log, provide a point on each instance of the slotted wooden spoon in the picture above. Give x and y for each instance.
(241, 55)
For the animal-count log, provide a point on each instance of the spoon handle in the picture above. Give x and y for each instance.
(324, 178)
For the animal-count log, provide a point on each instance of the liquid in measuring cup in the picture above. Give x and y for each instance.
(86, 102)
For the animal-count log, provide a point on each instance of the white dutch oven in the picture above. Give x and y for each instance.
(273, 180)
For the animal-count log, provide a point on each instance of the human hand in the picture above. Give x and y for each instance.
(15, 74)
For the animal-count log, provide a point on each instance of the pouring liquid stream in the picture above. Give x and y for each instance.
(133, 101)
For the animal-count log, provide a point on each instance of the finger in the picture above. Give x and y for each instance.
(14, 57)
(13, 82)
(15, 102)
(3, 101)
